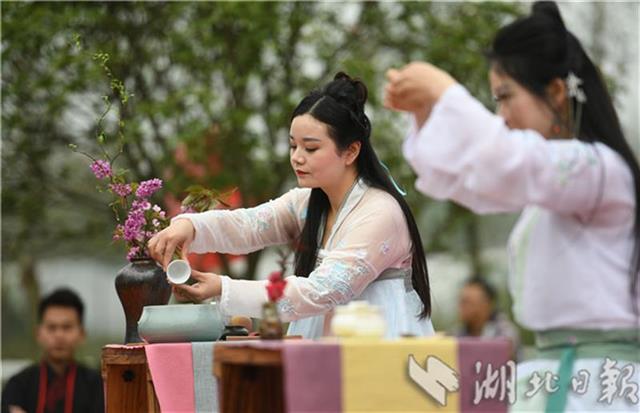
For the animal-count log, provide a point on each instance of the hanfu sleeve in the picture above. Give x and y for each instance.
(467, 154)
(376, 238)
(245, 230)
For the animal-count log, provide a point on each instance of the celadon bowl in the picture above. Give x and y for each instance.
(180, 323)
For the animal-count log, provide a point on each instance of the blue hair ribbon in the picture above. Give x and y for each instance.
(393, 181)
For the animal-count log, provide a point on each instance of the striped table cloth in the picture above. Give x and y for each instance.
(442, 374)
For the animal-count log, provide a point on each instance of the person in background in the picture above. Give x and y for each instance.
(555, 150)
(479, 315)
(56, 384)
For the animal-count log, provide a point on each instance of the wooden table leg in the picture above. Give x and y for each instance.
(249, 380)
(251, 389)
(127, 381)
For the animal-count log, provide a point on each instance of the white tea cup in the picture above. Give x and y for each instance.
(178, 271)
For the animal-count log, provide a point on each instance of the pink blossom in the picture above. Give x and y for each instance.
(148, 188)
(120, 189)
(133, 252)
(141, 204)
(101, 169)
(133, 225)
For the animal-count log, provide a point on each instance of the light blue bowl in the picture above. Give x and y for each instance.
(180, 323)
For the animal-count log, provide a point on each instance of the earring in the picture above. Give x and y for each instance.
(556, 129)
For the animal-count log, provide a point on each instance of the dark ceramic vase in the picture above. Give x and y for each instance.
(140, 283)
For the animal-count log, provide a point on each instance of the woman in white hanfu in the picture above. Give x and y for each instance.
(356, 237)
(556, 150)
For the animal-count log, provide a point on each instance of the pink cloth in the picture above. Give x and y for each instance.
(496, 352)
(311, 373)
(171, 367)
(312, 376)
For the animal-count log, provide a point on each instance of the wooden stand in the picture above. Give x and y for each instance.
(127, 381)
(249, 379)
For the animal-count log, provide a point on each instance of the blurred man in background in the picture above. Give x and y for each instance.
(479, 315)
(57, 384)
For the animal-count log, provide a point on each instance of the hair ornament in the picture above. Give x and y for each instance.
(575, 91)
(573, 87)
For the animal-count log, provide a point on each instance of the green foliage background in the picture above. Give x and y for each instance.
(219, 79)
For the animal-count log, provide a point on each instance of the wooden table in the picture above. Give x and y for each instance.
(127, 380)
(249, 379)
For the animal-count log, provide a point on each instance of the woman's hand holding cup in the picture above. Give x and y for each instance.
(178, 236)
(163, 245)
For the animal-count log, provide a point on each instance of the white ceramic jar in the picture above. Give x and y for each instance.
(358, 319)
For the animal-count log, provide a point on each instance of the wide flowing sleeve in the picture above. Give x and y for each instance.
(245, 230)
(375, 239)
(467, 154)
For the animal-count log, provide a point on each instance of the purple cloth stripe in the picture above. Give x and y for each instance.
(497, 353)
(312, 377)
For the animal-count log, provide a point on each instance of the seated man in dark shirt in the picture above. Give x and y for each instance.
(479, 314)
(57, 383)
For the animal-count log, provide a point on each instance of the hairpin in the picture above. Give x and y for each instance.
(575, 91)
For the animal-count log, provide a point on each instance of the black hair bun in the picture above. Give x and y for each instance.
(548, 9)
(348, 91)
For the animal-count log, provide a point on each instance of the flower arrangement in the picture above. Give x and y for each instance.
(275, 286)
(271, 326)
(137, 218)
(277, 283)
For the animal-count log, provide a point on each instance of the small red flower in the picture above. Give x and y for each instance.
(275, 286)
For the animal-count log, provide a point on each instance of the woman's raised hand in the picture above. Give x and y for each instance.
(177, 235)
(416, 88)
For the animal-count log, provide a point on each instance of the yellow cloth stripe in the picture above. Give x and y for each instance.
(375, 375)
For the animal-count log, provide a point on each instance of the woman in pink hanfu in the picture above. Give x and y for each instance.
(356, 237)
(555, 150)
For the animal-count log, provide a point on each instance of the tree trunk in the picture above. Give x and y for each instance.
(31, 286)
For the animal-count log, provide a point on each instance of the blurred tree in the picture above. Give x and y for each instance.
(214, 85)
